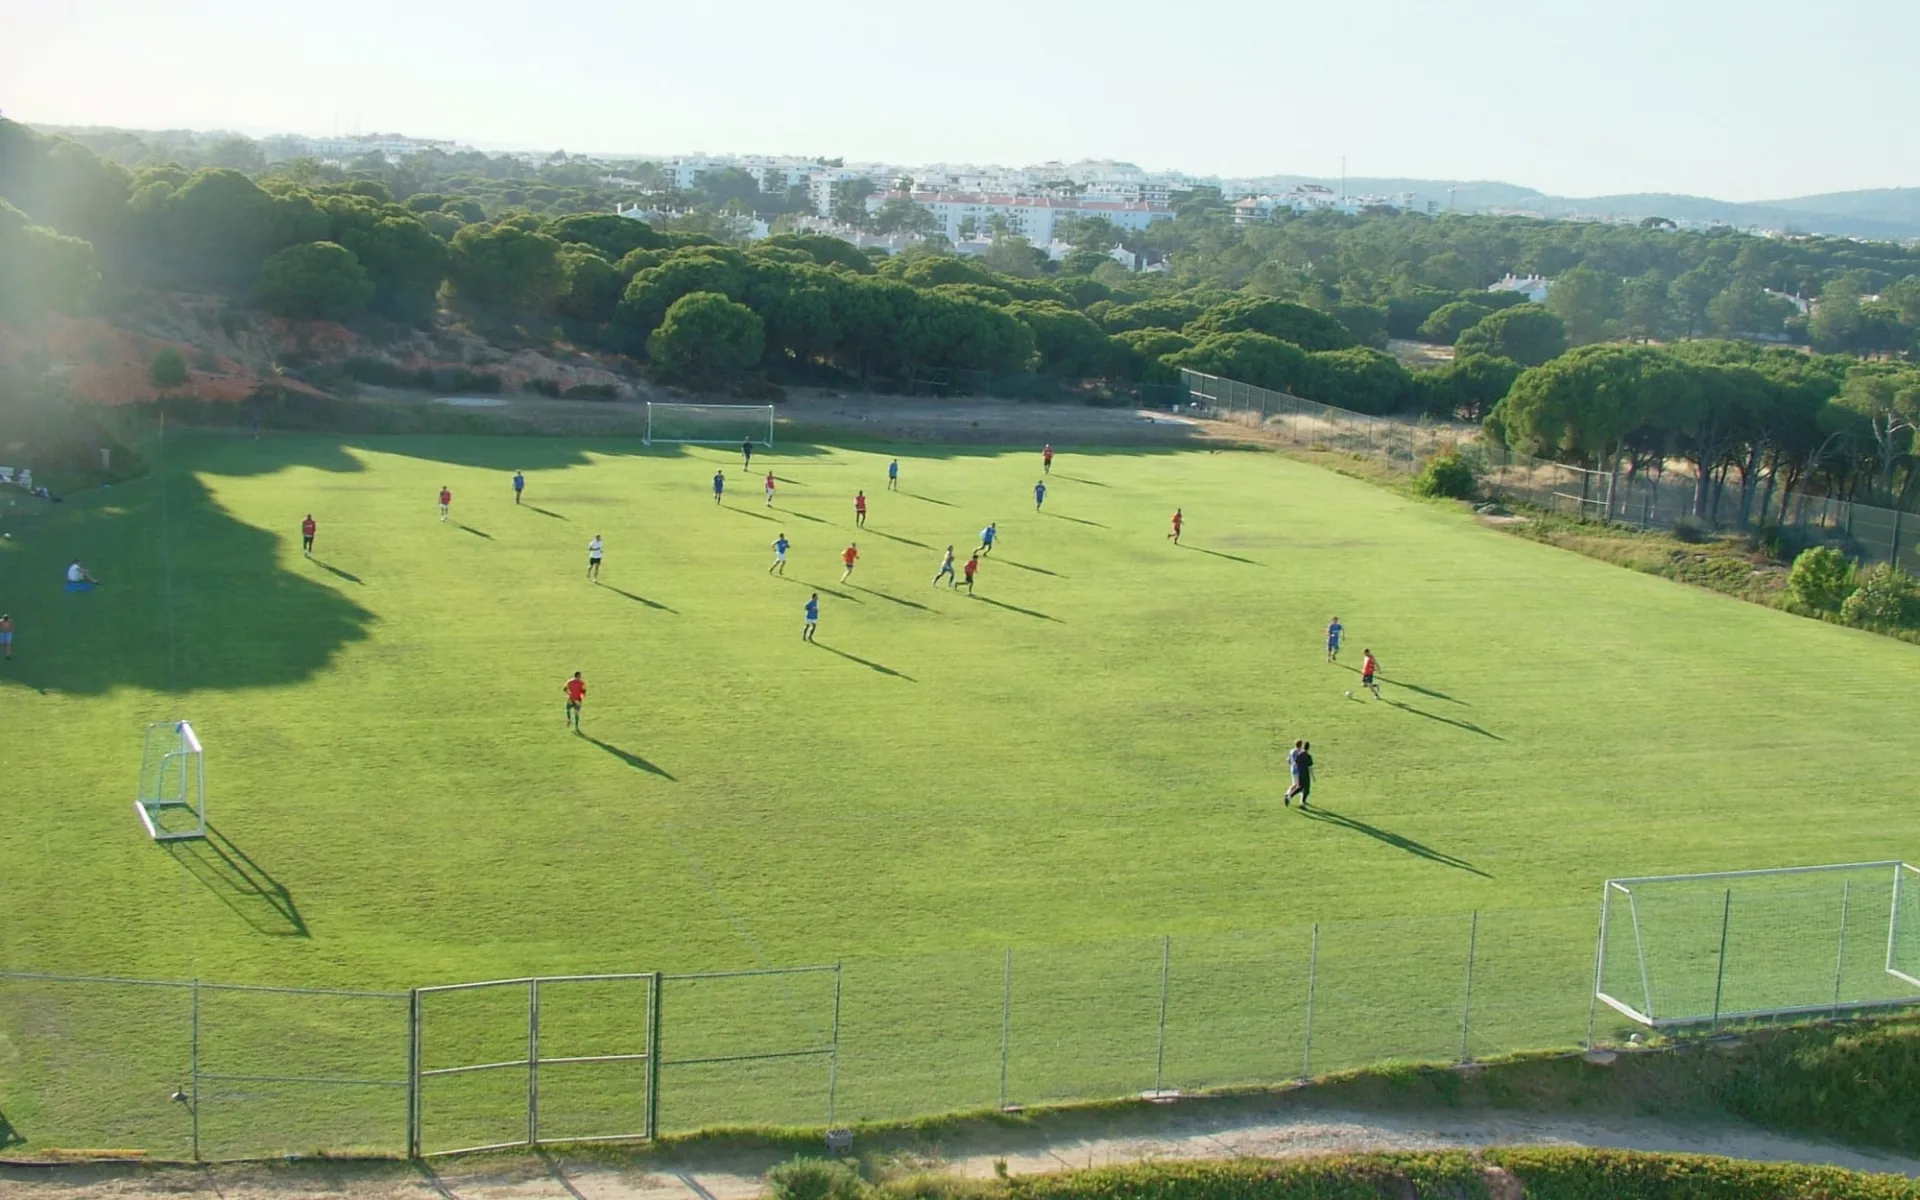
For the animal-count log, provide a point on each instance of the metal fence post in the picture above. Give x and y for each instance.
(1840, 956)
(653, 1058)
(193, 1093)
(1160, 1055)
(413, 1073)
(833, 1061)
(1466, 1011)
(1313, 975)
(1720, 968)
(533, 1062)
(1006, 1021)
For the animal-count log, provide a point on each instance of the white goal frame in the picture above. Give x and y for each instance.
(173, 777)
(745, 417)
(1619, 902)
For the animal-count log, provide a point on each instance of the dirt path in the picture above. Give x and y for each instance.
(736, 1175)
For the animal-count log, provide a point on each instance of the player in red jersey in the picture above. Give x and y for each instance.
(307, 530)
(1046, 459)
(1178, 520)
(446, 501)
(576, 696)
(1369, 667)
(849, 556)
(970, 570)
(860, 510)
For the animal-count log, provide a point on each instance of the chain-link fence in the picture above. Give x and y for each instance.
(1649, 498)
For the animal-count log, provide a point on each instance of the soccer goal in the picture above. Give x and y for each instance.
(710, 424)
(1678, 950)
(173, 783)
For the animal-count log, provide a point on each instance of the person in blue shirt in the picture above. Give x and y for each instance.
(986, 540)
(1334, 630)
(1039, 494)
(893, 475)
(746, 454)
(719, 485)
(813, 617)
(519, 485)
(779, 566)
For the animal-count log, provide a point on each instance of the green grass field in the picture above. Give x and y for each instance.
(1083, 758)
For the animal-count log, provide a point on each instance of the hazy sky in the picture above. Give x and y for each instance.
(1737, 99)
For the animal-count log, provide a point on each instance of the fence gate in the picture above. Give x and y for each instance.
(518, 1062)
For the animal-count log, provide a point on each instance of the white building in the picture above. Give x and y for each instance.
(390, 146)
(1034, 218)
(1312, 197)
(1533, 287)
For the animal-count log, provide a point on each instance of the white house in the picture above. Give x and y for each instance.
(1533, 287)
(1031, 217)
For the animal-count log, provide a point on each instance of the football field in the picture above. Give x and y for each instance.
(1084, 757)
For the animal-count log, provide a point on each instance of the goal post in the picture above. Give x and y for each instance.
(172, 800)
(710, 424)
(1684, 950)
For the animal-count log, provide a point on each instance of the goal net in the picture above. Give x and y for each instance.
(1681, 950)
(710, 424)
(173, 783)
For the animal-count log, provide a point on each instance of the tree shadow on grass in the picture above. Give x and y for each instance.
(475, 532)
(895, 538)
(1076, 520)
(242, 884)
(1469, 726)
(1218, 554)
(1395, 840)
(631, 759)
(897, 600)
(9, 1136)
(330, 569)
(866, 662)
(1016, 608)
(654, 604)
(543, 512)
(1025, 567)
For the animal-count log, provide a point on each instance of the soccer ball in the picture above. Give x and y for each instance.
(1349, 693)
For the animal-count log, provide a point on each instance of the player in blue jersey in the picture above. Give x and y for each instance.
(1039, 494)
(986, 540)
(893, 475)
(1334, 630)
(813, 617)
(719, 485)
(519, 485)
(779, 566)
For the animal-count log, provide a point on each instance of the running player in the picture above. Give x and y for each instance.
(1179, 519)
(594, 549)
(446, 501)
(519, 485)
(1046, 459)
(1293, 772)
(946, 570)
(307, 530)
(1334, 630)
(849, 556)
(576, 696)
(719, 485)
(1039, 494)
(6, 635)
(1369, 667)
(970, 570)
(860, 510)
(893, 475)
(813, 618)
(746, 453)
(986, 540)
(769, 489)
(779, 566)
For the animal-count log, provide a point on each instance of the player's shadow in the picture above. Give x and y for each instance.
(868, 663)
(654, 604)
(897, 600)
(895, 538)
(821, 587)
(1218, 554)
(631, 759)
(1417, 849)
(1035, 570)
(349, 576)
(242, 884)
(543, 512)
(928, 499)
(1077, 479)
(475, 532)
(748, 512)
(805, 517)
(1016, 608)
(1412, 687)
(1469, 726)
(1077, 520)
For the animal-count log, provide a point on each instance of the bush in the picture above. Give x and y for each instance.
(1447, 474)
(593, 391)
(815, 1179)
(169, 369)
(1885, 599)
(1821, 579)
(1860, 1085)
(1568, 1173)
(545, 387)
(1692, 530)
